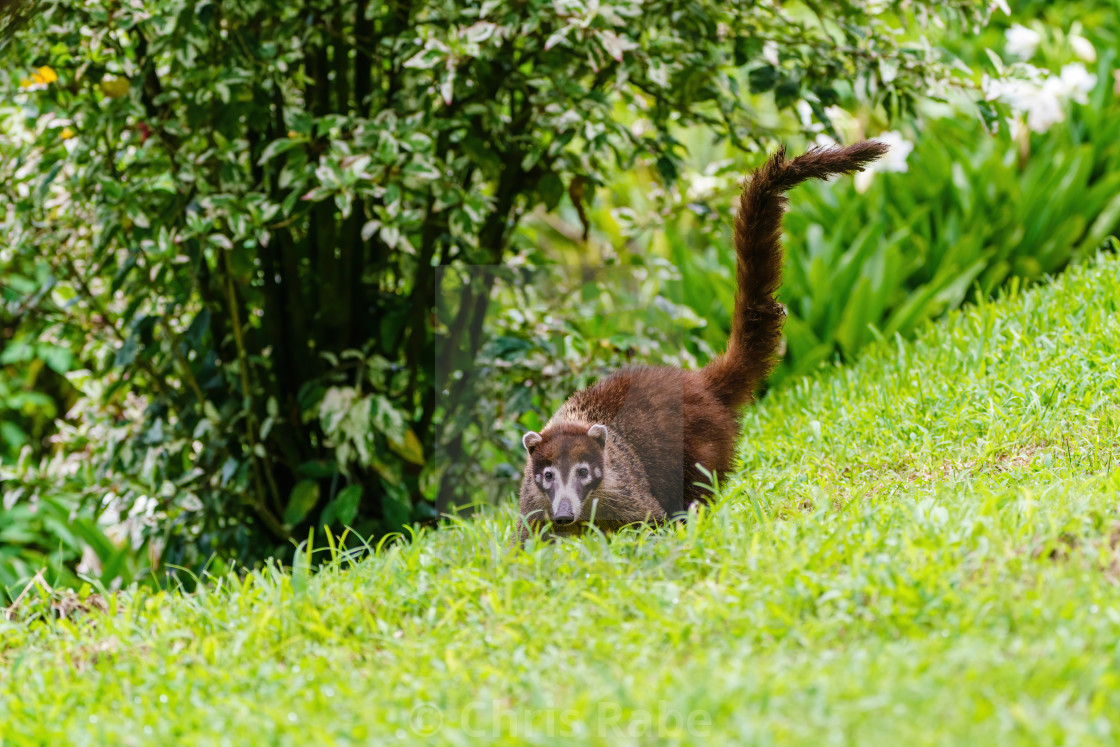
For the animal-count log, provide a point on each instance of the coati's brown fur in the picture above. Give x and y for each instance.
(626, 449)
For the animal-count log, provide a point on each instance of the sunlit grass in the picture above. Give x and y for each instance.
(921, 549)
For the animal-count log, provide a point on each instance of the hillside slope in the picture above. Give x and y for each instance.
(922, 547)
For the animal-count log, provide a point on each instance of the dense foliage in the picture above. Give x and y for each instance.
(960, 214)
(224, 221)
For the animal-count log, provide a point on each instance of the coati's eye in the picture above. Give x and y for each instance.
(582, 472)
(548, 474)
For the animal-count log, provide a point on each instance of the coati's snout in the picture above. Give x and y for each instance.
(567, 464)
(564, 513)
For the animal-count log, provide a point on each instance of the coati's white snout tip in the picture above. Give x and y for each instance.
(531, 439)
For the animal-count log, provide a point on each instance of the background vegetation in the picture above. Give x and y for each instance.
(271, 272)
(268, 273)
(224, 223)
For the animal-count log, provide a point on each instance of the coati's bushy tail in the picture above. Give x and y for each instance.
(756, 327)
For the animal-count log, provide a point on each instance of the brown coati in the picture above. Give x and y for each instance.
(630, 448)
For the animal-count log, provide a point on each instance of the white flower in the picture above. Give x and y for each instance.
(1077, 82)
(895, 158)
(1022, 41)
(1043, 99)
(805, 114)
(702, 186)
(1044, 108)
(1021, 92)
(1083, 48)
(862, 180)
(770, 52)
(1015, 93)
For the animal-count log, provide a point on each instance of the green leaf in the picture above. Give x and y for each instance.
(746, 49)
(13, 434)
(45, 184)
(344, 508)
(667, 168)
(276, 147)
(396, 505)
(387, 418)
(409, 448)
(304, 496)
(17, 352)
(126, 353)
(551, 189)
(763, 78)
(787, 92)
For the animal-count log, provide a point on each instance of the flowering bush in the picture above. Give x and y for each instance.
(1041, 97)
(953, 212)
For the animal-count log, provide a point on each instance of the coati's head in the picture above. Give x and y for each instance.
(567, 464)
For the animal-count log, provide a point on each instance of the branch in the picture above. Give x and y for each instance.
(247, 393)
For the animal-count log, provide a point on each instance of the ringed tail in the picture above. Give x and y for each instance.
(756, 326)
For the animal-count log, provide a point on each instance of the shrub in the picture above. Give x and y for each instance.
(231, 215)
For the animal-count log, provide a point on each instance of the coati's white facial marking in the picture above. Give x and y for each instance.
(568, 489)
(566, 467)
(580, 472)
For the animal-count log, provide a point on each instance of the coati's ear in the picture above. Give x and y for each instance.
(599, 433)
(531, 439)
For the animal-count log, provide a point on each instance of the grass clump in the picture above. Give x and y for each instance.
(921, 548)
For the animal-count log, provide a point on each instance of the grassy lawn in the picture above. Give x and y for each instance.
(923, 548)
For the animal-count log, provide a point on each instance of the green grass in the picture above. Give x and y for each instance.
(919, 550)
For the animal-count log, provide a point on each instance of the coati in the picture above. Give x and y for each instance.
(629, 448)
